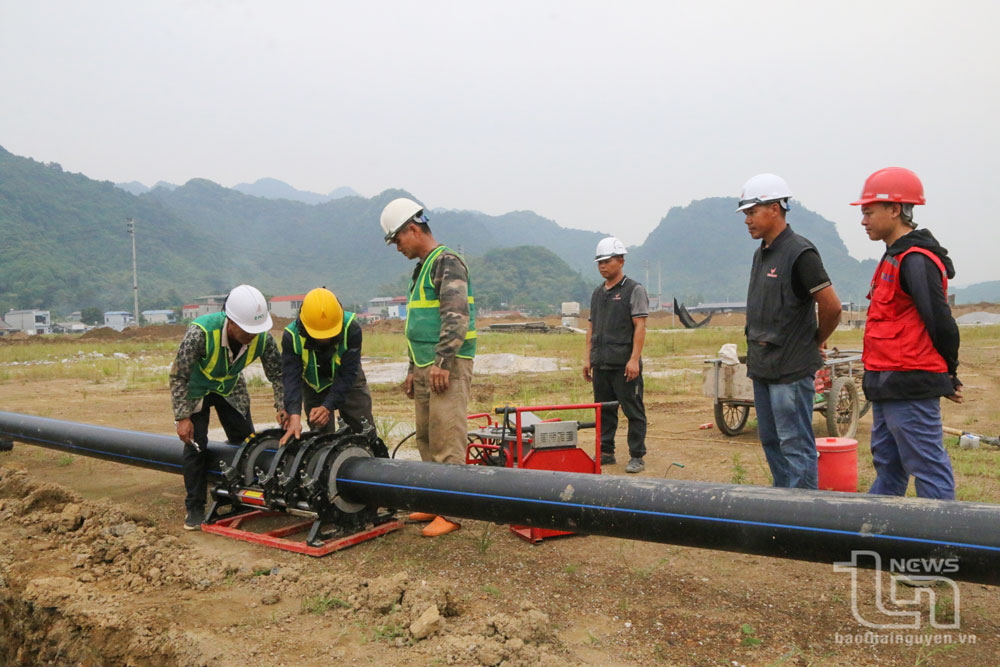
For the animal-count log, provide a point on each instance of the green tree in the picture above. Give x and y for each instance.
(91, 315)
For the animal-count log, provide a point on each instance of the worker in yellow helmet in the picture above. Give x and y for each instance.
(321, 368)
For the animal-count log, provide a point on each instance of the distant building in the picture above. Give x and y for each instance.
(6, 329)
(75, 316)
(203, 305)
(287, 306)
(69, 326)
(118, 319)
(158, 316)
(719, 307)
(390, 307)
(30, 322)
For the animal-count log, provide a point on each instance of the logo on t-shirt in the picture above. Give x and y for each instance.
(773, 273)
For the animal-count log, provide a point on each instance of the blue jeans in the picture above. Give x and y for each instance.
(907, 440)
(784, 424)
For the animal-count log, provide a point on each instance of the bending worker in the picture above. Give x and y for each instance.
(911, 341)
(321, 368)
(441, 338)
(208, 373)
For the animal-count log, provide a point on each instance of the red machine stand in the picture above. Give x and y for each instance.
(231, 527)
(569, 459)
(536, 445)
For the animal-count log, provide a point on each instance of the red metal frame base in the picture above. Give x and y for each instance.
(230, 527)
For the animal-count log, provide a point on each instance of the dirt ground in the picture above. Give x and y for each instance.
(96, 570)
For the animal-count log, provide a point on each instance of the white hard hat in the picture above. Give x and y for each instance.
(247, 307)
(764, 188)
(397, 213)
(608, 248)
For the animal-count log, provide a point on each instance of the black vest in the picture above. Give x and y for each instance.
(781, 327)
(611, 324)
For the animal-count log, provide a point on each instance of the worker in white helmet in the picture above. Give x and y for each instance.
(207, 372)
(441, 341)
(616, 332)
(784, 339)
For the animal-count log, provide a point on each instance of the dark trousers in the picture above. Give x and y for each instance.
(610, 385)
(237, 427)
(357, 407)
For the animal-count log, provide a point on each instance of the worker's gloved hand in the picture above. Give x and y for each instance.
(957, 396)
(185, 431)
(319, 416)
(439, 379)
(408, 385)
(293, 429)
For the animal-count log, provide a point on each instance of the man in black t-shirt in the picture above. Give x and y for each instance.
(784, 340)
(615, 336)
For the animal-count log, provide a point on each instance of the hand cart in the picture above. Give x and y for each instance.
(838, 393)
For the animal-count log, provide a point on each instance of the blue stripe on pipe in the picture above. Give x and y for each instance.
(105, 454)
(678, 516)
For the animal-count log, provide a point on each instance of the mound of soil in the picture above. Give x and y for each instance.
(85, 582)
(102, 334)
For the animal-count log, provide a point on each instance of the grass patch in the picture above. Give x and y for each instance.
(320, 604)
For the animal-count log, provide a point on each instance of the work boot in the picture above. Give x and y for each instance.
(635, 465)
(194, 519)
(420, 517)
(439, 526)
(607, 458)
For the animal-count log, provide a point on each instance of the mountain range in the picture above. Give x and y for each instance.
(66, 247)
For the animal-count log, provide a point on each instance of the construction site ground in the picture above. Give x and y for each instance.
(96, 570)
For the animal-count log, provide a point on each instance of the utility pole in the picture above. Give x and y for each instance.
(135, 281)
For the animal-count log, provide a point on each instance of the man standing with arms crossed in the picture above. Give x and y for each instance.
(616, 333)
(784, 340)
(441, 338)
(911, 341)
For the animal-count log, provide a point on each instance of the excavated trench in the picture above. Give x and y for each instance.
(86, 583)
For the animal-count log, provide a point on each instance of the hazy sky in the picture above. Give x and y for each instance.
(599, 115)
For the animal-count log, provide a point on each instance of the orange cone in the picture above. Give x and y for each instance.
(440, 526)
(421, 516)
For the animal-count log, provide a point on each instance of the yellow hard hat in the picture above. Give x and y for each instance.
(321, 314)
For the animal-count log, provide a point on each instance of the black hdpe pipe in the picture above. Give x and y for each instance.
(135, 448)
(818, 526)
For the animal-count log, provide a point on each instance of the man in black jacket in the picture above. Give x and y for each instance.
(321, 368)
(911, 341)
(784, 340)
(615, 336)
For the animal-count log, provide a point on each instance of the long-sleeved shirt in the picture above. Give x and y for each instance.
(191, 351)
(921, 279)
(450, 278)
(347, 373)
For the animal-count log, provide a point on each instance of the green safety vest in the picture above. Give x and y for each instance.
(310, 369)
(423, 319)
(213, 373)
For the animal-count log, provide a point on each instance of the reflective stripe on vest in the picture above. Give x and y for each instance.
(423, 317)
(896, 338)
(215, 374)
(310, 367)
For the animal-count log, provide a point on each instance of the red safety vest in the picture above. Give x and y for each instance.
(895, 336)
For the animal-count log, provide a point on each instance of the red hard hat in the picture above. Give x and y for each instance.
(892, 184)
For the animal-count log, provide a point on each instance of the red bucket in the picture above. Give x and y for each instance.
(838, 464)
